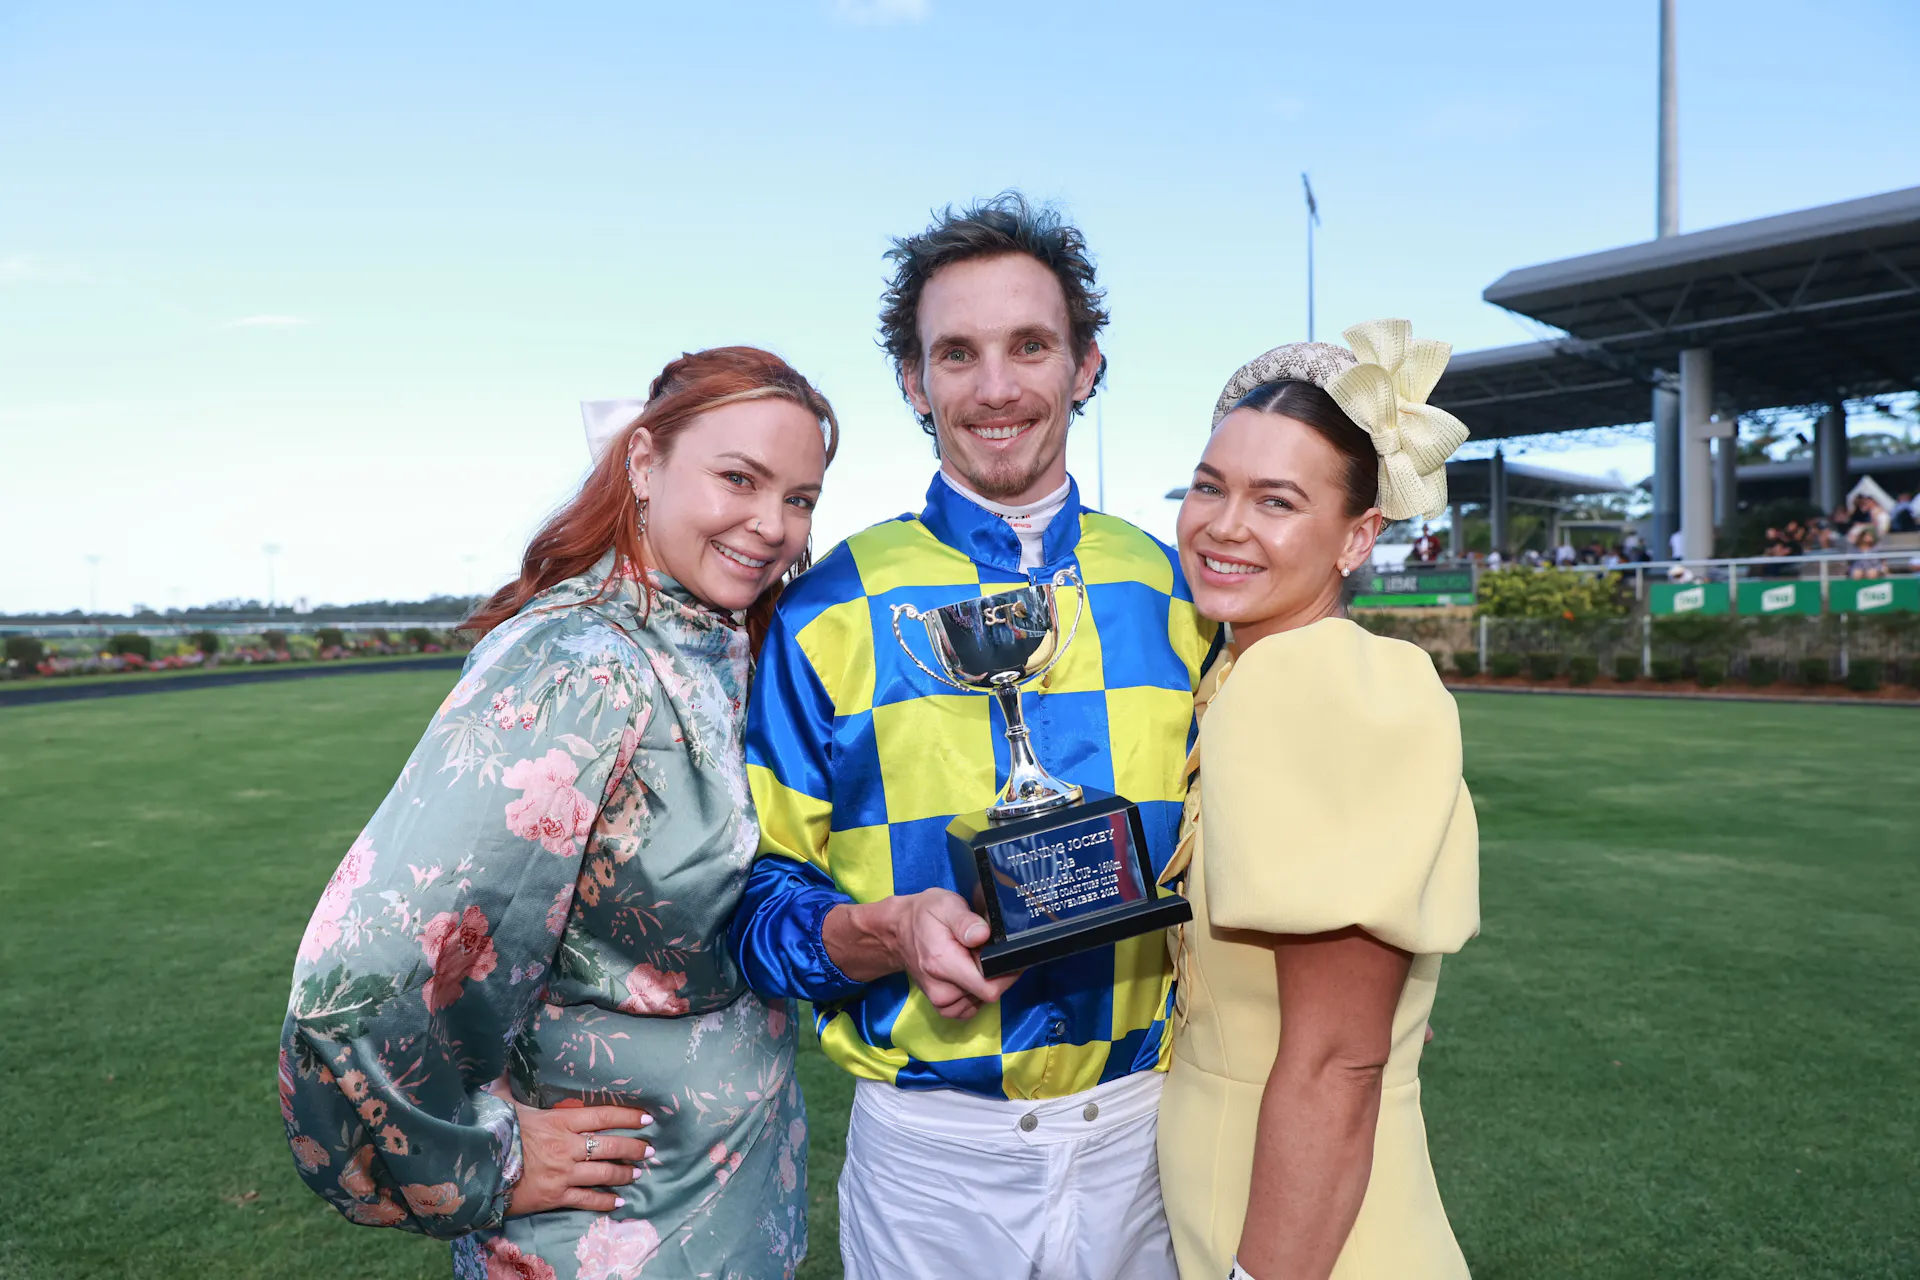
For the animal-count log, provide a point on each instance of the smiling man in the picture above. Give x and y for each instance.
(1001, 1127)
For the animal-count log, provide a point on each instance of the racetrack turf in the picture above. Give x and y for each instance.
(1684, 1045)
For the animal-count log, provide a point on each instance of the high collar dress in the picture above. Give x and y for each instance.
(545, 893)
(1329, 795)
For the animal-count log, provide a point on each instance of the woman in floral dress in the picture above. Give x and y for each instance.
(514, 1021)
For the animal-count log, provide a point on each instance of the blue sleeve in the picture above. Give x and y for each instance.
(776, 936)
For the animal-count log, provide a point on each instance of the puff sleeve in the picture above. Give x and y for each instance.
(1332, 794)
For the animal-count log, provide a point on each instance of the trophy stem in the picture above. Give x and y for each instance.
(1030, 789)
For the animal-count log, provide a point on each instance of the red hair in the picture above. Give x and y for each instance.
(603, 514)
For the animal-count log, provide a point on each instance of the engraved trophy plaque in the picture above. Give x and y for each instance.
(1054, 868)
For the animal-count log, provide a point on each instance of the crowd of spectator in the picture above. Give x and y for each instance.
(1860, 526)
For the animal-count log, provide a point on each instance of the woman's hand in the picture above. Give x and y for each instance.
(565, 1161)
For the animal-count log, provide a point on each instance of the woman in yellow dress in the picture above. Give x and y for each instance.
(1329, 844)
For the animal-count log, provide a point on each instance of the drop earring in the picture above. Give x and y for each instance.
(640, 505)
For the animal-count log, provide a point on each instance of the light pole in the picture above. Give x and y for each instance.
(272, 549)
(1100, 448)
(1313, 220)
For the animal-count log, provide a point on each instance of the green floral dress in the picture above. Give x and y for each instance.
(546, 892)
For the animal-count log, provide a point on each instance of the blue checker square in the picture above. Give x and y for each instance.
(860, 793)
(920, 859)
(1131, 657)
(1069, 735)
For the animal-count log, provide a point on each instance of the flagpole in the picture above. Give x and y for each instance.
(1313, 218)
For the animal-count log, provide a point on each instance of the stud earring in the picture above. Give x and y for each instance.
(1345, 572)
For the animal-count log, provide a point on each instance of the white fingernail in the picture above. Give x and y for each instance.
(645, 1119)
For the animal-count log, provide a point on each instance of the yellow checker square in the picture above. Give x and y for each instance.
(842, 1044)
(1114, 551)
(839, 644)
(1148, 730)
(791, 822)
(938, 1039)
(936, 756)
(860, 860)
(1190, 634)
(1142, 974)
(1053, 1072)
(901, 553)
(1081, 668)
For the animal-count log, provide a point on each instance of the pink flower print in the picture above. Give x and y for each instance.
(459, 949)
(797, 1134)
(789, 1175)
(355, 1179)
(601, 676)
(649, 990)
(557, 913)
(776, 1020)
(504, 706)
(323, 929)
(733, 1167)
(506, 1261)
(552, 811)
(310, 1154)
(436, 1201)
(382, 1213)
(717, 1154)
(613, 1250)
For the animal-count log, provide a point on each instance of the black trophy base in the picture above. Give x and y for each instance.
(1052, 942)
(1060, 882)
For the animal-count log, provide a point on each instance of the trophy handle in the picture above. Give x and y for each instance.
(913, 613)
(1068, 576)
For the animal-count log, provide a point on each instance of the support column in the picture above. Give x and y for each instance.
(1830, 457)
(1456, 534)
(1726, 481)
(1666, 471)
(1696, 453)
(1497, 504)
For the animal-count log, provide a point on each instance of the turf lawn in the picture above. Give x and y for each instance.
(1687, 1043)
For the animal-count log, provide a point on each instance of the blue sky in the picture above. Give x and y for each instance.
(335, 279)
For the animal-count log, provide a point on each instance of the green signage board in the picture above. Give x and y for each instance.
(1874, 595)
(1416, 600)
(1688, 597)
(1414, 586)
(1769, 598)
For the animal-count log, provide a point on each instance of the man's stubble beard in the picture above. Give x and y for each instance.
(1004, 478)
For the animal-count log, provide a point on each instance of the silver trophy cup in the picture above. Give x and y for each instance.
(995, 644)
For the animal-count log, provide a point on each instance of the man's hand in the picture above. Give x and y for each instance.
(931, 935)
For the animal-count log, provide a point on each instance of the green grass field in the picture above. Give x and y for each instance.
(1687, 1043)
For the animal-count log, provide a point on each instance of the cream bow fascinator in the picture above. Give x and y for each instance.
(605, 419)
(1382, 383)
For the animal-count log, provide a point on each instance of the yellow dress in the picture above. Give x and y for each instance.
(1329, 795)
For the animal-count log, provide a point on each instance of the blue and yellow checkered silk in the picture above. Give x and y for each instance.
(858, 761)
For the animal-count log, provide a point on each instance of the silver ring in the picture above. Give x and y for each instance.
(593, 1144)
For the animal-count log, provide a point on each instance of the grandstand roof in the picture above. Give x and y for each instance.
(1538, 387)
(1795, 308)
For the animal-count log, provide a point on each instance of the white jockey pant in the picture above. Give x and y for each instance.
(939, 1183)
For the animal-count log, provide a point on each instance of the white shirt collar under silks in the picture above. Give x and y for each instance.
(1028, 522)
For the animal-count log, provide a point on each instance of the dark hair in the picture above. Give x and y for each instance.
(1306, 403)
(989, 229)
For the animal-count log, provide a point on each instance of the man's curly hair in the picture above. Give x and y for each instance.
(1007, 223)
